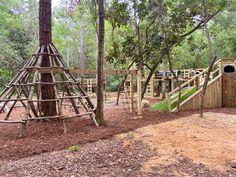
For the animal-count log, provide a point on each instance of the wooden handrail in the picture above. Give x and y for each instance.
(201, 74)
(211, 82)
(193, 78)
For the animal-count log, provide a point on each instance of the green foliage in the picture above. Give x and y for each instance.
(112, 83)
(17, 35)
(74, 148)
(67, 36)
(163, 105)
(118, 14)
(133, 33)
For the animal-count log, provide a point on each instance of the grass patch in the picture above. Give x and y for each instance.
(74, 148)
(163, 105)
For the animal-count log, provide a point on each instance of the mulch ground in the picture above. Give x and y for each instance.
(121, 155)
(43, 152)
(103, 158)
(48, 136)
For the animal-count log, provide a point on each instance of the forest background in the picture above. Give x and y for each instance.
(133, 33)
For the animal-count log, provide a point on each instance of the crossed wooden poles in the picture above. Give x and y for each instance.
(25, 88)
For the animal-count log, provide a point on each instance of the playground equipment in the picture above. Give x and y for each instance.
(131, 73)
(221, 89)
(163, 82)
(26, 88)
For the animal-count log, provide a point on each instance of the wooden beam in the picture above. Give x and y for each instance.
(106, 71)
(131, 93)
(139, 91)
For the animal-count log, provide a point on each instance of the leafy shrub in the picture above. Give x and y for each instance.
(74, 148)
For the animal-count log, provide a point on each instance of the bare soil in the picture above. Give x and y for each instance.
(159, 144)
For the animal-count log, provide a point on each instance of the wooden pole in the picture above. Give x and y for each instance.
(131, 93)
(139, 91)
(163, 92)
(169, 101)
(172, 84)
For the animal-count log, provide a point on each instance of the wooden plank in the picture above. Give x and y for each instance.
(11, 122)
(106, 71)
(139, 91)
(212, 98)
(131, 93)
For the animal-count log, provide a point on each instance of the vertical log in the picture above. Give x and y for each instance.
(45, 26)
(139, 91)
(163, 92)
(45, 38)
(131, 92)
(100, 60)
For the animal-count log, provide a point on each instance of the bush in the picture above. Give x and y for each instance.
(112, 83)
(74, 148)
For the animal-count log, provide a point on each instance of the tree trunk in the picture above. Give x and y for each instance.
(100, 75)
(81, 48)
(149, 77)
(175, 76)
(68, 56)
(122, 83)
(212, 59)
(45, 38)
(45, 26)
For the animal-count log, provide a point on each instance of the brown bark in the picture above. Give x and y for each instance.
(175, 76)
(81, 48)
(45, 24)
(122, 83)
(150, 76)
(45, 38)
(100, 61)
(212, 59)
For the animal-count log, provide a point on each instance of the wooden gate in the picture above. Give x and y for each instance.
(229, 89)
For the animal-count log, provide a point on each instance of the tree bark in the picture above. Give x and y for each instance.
(122, 83)
(68, 56)
(81, 48)
(45, 38)
(149, 77)
(212, 59)
(175, 76)
(100, 61)
(45, 24)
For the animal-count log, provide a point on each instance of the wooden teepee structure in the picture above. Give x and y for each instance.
(45, 83)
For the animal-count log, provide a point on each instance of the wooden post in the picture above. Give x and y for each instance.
(220, 67)
(105, 87)
(139, 91)
(172, 84)
(197, 82)
(169, 102)
(163, 92)
(131, 89)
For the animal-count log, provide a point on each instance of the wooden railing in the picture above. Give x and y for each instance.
(197, 81)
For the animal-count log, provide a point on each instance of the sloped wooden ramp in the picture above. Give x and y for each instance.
(213, 96)
(221, 89)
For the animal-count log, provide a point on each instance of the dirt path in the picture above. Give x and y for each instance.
(210, 141)
(187, 146)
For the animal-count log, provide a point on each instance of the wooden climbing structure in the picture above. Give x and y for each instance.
(221, 88)
(27, 86)
(45, 83)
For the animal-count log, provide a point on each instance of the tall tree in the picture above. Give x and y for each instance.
(100, 61)
(45, 38)
(212, 57)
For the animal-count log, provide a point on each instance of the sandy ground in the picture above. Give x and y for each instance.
(187, 146)
(210, 140)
